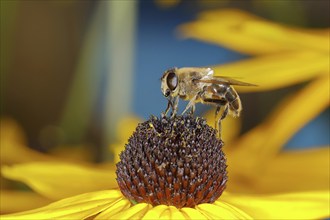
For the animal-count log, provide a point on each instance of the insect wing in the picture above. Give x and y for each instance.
(224, 79)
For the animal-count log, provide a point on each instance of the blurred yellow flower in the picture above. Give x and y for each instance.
(14, 150)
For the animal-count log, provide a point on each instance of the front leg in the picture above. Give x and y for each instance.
(175, 106)
(169, 104)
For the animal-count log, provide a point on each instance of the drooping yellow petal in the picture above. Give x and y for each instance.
(59, 180)
(304, 205)
(135, 212)
(247, 33)
(291, 37)
(228, 33)
(77, 207)
(175, 213)
(213, 211)
(252, 151)
(230, 127)
(302, 170)
(18, 201)
(166, 212)
(276, 70)
(155, 212)
(237, 212)
(294, 112)
(115, 208)
(192, 213)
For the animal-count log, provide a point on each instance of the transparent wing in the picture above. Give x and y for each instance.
(224, 79)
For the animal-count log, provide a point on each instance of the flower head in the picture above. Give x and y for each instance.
(148, 144)
(173, 161)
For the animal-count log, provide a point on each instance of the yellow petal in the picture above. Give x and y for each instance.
(155, 212)
(229, 36)
(292, 38)
(17, 201)
(60, 180)
(192, 213)
(276, 70)
(115, 208)
(171, 212)
(295, 112)
(302, 170)
(296, 171)
(165, 215)
(305, 205)
(78, 207)
(247, 33)
(230, 127)
(237, 212)
(252, 151)
(135, 212)
(220, 212)
(175, 213)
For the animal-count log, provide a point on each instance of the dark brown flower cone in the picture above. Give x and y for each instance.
(173, 161)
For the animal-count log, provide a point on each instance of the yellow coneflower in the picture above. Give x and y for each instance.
(174, 168)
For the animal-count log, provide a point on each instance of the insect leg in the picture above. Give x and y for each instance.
(192, 111)
(216, 116)
(175, 106)
(191, 104)
(169, 104)
(224, 114)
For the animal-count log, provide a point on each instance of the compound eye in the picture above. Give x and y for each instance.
(172, 81)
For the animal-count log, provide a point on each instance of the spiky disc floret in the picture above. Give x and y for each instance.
(173, 161)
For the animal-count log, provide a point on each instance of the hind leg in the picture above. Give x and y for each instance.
(223, 116)
(216, 116)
